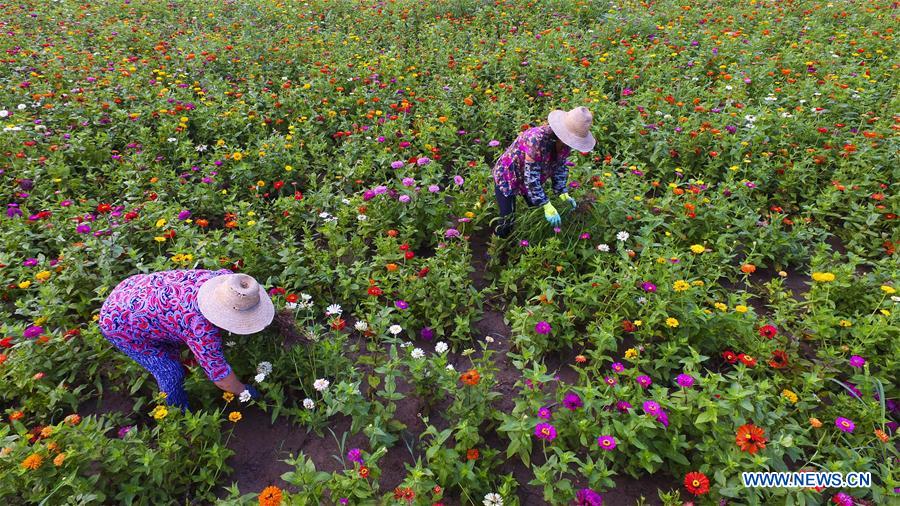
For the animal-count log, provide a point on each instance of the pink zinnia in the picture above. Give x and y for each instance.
(545, 431)
(607, 443)
(644, 381)
(844, 424)
(857, 361)
(542, 327)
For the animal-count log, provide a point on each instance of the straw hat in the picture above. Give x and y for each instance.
(236, 303)
(573, 128)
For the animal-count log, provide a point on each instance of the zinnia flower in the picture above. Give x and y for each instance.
(544, 413)
(545, 431)
(685, 380)
(696, 483)
(355, 455)
(844, 424)
(768, 331)
(572, 402)
(542, 327)
(644, 381)
(270, 496)
(779, 359)
(750, 438)
(234, 417)
(470, 377)
(587, 497)
(857, 361)
(32, 462)
(607, 443)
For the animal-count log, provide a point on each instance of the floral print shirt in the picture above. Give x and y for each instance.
(153, 314)
(514, 175)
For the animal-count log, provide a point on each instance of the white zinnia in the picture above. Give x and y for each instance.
(309, 403)
(361, 326)
(4, 113)
(264, 368)
(259, 377)
(395, 329)
(441, 347)
(603, 247)
(493, 499)
(450, 367)
(245, 396)
(333, 310)
(623, 236)
(417, 353)
(321, 384)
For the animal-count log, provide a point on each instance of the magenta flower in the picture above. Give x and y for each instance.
(572, 402)
(844, 424)
(545, 431)
(83, 228)
(523, 243)
(648, 287)
(494, 143)
(652, 408)
(623, 406)
(401, 304)
(618, 367)
(685, 380)
(434, 188)
(644, 381)
(587, 497)
(607, 443)
(396, 164)
(451, 232)
(355, 455)
(30, 262)
(404, 199)
(857, 361)
(842, 499)
(423, 161)
(32, 331)
(427, 333)
(184, 214)
(542, 328)
(544, 413)
(124, 430)
(610, 381)
(408, 181)
(458, 180)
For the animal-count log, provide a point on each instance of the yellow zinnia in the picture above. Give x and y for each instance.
(42, 276)
(671, 322)
(681, 285)
(630, 353)
(234, 416)
(822, 277)
(159, 412)
(741, 308)
(696, 248)
(790, 396)
(888, 289)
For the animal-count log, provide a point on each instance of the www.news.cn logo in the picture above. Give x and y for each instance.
(806, 480)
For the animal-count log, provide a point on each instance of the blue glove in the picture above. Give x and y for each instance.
(254, 393)
(565, 197)
(551, 215)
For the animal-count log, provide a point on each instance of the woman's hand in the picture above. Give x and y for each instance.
(565, 197)
(551, 215)
(231, 383)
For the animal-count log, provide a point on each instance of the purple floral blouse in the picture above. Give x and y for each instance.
(514, 175)
(153, 314)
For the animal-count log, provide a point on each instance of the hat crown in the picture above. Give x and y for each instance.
(578, 121)
(240, 292)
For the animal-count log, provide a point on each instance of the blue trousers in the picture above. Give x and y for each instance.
(507, 206)
(169, 375)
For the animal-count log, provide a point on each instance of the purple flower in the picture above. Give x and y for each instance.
(83, 228)
(544, 413)
(426, 333)
(623, 406)
(844, 424)
(685, 380)
(380, 190)
(644, 381)
(587, 497)
(408, 181)
(523, 243)
(857, 361)
(423, 161)
(610, 381)
(451, 232)
(355, 455)
(494, 143)
(652, 408)
(401, 304)
(458, 180)
(184, 214)
(648, 287)
(124, 430)
(618, 367)
(572, 402)
(842, 499)
(404, 198)
(545, 431)
(396, 164)
(30, 262)
(542, 328)
(344, 501)
(32, 331)
(434, 188)
(607, 443)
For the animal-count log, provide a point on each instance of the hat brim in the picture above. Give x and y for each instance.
(583, 144)
(237, 322)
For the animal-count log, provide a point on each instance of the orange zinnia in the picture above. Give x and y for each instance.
(470, 377)
(750, 438)
(270, 496)
(32, 461)
(748, 268)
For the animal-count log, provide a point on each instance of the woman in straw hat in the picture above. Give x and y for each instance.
(538, 154)
(150, 316)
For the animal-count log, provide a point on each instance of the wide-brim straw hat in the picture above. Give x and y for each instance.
(573, 128)
(236, 303)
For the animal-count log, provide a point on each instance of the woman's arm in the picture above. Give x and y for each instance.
(533, 186)
(230, 383)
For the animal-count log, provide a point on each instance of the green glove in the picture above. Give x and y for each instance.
(565, 197)
(551, 215)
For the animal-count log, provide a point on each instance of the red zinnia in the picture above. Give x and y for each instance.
(750, 438)
(729, 356)
(627, 326)
(768, 331)
(472, 454)
(696, 483)
(747, 360)
(374, 291)
(779, 359)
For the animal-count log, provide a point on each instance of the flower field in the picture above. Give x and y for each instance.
(722, 299)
